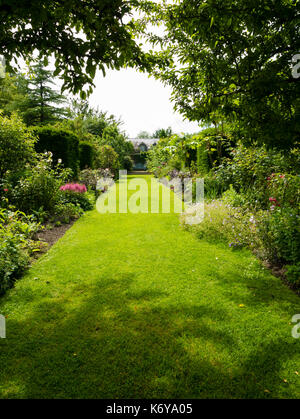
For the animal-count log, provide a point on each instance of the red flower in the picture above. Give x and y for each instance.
(282, 176)
(5, 190)
(273, 199)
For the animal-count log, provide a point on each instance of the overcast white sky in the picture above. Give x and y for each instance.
(143, 103)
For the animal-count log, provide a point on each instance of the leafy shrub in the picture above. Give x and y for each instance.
(279, 232)
(107, 158)
(202, 159)
(249, 170)
(212, 147)
(39, 188)
(231, 197)
(274, 234)
(16, 245)
(65, 212)
(91, 177)
(63, 144)
(83, 200)
(222, 222)
(157, 161)
(198, 153)
(293, 274)
(172, 174)
(16, 145)
(86, 155)
(18, 223)
(13, 261)
(284, 189)
(127, 163)
(213, 186)
(113, 137)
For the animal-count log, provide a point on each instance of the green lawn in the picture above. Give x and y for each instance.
(133, 306)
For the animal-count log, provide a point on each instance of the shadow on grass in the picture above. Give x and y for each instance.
(127, 343)
(261, 286)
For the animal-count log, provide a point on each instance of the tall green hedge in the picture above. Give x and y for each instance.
(62, 143)
(86, 155)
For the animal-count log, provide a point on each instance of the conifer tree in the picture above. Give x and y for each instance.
(42, 104)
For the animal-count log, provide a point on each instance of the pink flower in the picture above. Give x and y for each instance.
(272, 199)
(74, 187)
(282, 176)
(5, 190)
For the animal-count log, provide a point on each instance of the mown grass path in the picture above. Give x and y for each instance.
(132, 306)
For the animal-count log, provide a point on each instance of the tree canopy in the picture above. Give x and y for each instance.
(225, 60)
(232, 60)
(163, 133)
(81, 35)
